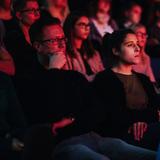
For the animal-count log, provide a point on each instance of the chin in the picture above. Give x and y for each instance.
(136, 62)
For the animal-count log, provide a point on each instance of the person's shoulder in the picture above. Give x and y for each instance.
(104, 75)
(141, 76)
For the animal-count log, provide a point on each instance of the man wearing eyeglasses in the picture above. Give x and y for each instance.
(51, 46)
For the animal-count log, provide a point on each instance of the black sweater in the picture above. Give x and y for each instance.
(110, 92)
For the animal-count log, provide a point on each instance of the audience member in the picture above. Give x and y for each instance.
(5, 9)
(6, 61)
(56, 8)
(129, 97)
(17, 41)
(144, 66)
(102, 22)
(132, 15)
(81, 55)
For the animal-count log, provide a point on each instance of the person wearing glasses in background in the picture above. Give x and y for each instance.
(144, 66)
(81, 56)
(17, 39)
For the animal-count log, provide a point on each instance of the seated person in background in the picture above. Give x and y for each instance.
(132, 15)
(101, 22)
(154, 28)
(48, 39)
(12, 122)
(144, 66)
(56, 8)
(17, 40)
(5, 9)
(128, 97)
(81, 55)
(51, 45)
(6, 61)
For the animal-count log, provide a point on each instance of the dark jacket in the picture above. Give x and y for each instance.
(11, 116)
(110, 92)
(24, 55)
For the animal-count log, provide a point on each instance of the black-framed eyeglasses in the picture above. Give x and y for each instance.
(54, 41)
(140, 34)
(31, 11)
(84, 25)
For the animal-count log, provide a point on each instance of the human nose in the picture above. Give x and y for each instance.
(37, 13)
(137, 48)
(61, 44)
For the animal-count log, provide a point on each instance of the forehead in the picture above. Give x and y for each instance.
(136, 8)
(53, 31)
(31, 4)
(141, 29)
(103, 4)
(130, 37)
(59, 1)
(83, 19)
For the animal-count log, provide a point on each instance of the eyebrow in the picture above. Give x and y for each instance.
(130, 42)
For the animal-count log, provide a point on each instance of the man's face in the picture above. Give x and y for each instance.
(53, 41)
(29, 14)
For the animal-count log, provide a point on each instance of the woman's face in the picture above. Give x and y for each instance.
(141, 34)
(129, 50)
(82, 28)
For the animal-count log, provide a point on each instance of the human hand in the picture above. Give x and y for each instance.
(138, 129)
(57, 60)
(17, 145)
(61, 124)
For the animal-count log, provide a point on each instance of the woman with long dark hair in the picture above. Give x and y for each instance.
(129, 98)
(81, 55)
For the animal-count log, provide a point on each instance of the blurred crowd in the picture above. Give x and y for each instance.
(79, 79)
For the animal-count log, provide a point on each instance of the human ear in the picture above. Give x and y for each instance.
(37, 46)
(115, 52)
(18, 15)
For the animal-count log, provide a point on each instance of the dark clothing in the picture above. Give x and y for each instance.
(23, 54)
(12, 121)
(97, 39)
(11, 116)
(111, 93)
(136, 97)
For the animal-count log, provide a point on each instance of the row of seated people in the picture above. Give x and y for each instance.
(44, 86)
(117, 103)
(19, 30)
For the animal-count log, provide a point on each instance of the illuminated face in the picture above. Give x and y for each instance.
(129, 51)
(58, 3)
(141, 34)
(82, 28)
(53, 40)
(30, 13)
(135, 14)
